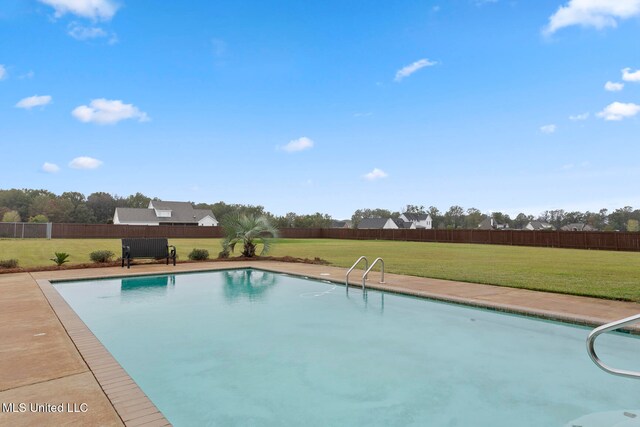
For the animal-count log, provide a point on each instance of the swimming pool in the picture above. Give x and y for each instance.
(248, 347)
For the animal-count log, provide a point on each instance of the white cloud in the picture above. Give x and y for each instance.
(28, 75)
(410, 69)
(104, 111)
(548, 128)
(579, 117)
(33, 101)
(80, 32)
(613, 87)
(375, 174)
(619, 110)
(91, 9)
(299, 144)
(592, 13)
(50, 167)
(3, 72)
(84, 163)
(630, 76)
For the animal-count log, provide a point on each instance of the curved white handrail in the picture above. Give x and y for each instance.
(366, 273)
(591, 339)
(366, 265)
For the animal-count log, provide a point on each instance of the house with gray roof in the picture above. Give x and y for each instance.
(578, 226)
(418, 220)
(491, 224)
(377, 224)
(168, 213)
(539, 225)
(340, 224)
(404, 224)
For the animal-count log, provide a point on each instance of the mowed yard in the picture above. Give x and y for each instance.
(604, 274)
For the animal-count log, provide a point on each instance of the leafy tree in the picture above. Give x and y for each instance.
(415, 209)
(250, 231)
(317, 220)
(103, 205)
(597, 220)
(80, 212)
(436, 217)
(454, 217)
(554, 217)
(473, 218)
(138, 200)
(633, 225)
(522, 220)
(16, 200)
(286, 221)
(39, 219)
(11, 216)
(222, 209)
(617, 219)
(574, 217)
(55, 208)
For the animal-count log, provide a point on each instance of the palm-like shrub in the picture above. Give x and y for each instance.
(60, 258)
(250, 231)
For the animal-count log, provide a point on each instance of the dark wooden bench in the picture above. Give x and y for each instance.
(156, 248)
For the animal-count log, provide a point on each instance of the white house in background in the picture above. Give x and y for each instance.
(539, 225)
(167, 213)
(419, 220)
(492, 224)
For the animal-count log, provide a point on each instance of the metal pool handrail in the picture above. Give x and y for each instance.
(366, 265)
(364, 276)
(591, 339)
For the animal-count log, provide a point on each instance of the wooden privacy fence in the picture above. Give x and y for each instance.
(117, 231)
(603, 240)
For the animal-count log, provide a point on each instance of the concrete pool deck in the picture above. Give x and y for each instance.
(48, 357)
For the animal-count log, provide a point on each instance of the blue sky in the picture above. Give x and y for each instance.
(325, 106)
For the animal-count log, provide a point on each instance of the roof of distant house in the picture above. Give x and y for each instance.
(372, 222)
(541, 225)
(340, 224)
(578, 226)
(402, 224)
(181, 212)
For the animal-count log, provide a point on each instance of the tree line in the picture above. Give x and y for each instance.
(18, 205)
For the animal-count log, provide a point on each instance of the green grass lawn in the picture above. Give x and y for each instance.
(604, 274)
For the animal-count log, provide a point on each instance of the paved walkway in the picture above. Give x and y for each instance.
(47, 356)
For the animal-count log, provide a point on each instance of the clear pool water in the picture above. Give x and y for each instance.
(252, 348)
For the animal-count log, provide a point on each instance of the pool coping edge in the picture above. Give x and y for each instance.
(114, 381)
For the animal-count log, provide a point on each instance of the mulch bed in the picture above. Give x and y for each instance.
(117, 263)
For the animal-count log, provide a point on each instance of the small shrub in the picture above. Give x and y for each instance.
(224, 253)
(8, 263)
(101, 256)
(199, 255)
(61, 258)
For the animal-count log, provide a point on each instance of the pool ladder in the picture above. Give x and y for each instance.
(367, 269)
(591, 339)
